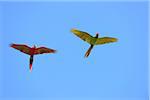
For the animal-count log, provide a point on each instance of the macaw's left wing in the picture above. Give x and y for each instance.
(105, 40)
(83, 35)
(21, 47)
(42, 50)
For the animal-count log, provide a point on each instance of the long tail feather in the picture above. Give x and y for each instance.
(30, 67)
(31, 61)
(88, 51)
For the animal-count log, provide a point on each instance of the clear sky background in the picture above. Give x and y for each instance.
(112, 71)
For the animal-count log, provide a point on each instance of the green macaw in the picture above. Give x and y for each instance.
(92, 40)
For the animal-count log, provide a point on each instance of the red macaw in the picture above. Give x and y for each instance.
(32, 51)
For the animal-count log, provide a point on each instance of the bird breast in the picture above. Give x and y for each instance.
(32, 50)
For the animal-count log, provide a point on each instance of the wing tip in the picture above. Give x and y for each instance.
(11, 44)
(115, 40)
(73, 29)
(54, 51)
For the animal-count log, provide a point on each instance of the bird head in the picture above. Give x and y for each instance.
(34, 46)
(97, 34)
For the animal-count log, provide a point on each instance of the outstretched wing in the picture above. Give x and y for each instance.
(23, 48)
(105, 40)
(83, 35)
(42, 50)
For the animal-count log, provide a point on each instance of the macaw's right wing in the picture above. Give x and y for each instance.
(23, 48)
(83, 35)
(42, 50)
(105, 40)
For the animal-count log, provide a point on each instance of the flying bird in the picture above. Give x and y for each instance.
(92, 40)
(31, 51)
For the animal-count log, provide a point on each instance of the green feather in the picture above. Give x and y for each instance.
(92, 40)
(84, 36)
(105, 40)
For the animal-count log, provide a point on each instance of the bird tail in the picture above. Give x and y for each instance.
(31, 61)
(30, 67)
(88, 51)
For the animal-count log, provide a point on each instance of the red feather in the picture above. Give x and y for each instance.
(42, 50)
(31, 51)
(22, 48)
(30, 67)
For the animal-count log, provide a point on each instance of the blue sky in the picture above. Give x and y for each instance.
(117, 70)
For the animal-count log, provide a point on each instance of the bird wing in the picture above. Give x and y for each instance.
(42, 50)
(105, 40)
(23, 48)
(83, 35)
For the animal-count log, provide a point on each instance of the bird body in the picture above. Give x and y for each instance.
(31, 51)
(92, 40)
